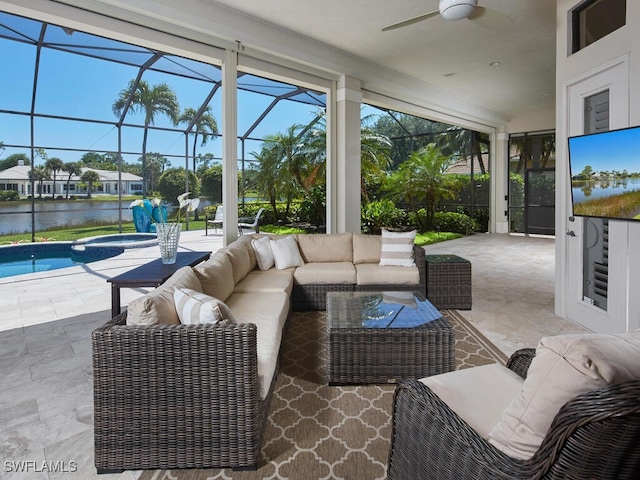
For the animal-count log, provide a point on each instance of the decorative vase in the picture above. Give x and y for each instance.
(168, 238)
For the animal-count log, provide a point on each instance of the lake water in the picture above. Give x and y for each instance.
(16, 217)
(599, 189)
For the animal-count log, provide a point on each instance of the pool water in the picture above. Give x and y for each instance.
(42, 257)
(26, 258)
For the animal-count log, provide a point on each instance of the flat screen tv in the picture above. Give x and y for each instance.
(605, 174)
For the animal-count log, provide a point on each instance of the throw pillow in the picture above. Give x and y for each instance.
(157, 306)
(195, 307)
(264, 254)
(286, 253)
(564, 366)
(397, 248)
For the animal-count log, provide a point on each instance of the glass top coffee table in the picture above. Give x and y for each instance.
(383, 337)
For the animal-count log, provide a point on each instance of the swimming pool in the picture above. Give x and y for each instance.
(26, 258)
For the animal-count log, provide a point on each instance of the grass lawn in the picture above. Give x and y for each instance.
(75, 233)
(428, 238)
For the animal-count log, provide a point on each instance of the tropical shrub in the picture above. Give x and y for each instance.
(382, 214)
(212, 183)
(516, 202)
(268, 217)
(9, 195)
(171, 184)
(422, 180)
(454, 222)
(313, 208)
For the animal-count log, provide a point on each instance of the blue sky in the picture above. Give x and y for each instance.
(80, 86)
(607, 151)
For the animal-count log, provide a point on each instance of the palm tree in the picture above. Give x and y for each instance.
(265, 178)
(375, 152)
(156, 164)
(54, 164)
(462, 142)
(423, 179)
(72, 168)
(524, 146)
(90, 177)
(39, 174)
(375, 159)
(289, 157)
(205, 126)
(150, 101)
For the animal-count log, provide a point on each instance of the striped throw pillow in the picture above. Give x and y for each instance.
(195, 307)
(397, 248)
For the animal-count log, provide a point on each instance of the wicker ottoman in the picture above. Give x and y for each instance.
(372, 337)
(449, 281)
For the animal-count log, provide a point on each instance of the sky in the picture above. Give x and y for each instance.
(607, 151)
(84, 87)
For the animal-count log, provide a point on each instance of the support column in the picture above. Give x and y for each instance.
(230, 146)
(499, 217)
(347, 171)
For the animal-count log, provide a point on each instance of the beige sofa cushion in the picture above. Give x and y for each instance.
(246, 241)
(267, 281)
(325, 273)
(157, 306)
(268, 311)
(564, 366)
(320, 247)
(373, 274)
(478, 395)
(366, 248)
(216, 276)
(238, 253)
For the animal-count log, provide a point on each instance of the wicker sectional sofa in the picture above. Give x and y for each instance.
(169, 395)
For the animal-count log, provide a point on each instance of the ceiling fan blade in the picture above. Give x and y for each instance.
(411, 21)
(490, 19)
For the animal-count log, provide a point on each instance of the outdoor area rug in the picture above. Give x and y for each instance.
(317, 431)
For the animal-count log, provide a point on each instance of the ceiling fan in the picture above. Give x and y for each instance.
(457, 10)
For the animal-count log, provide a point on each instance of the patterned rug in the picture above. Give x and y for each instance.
(317, 431)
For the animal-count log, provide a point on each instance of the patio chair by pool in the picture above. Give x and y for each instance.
(250, 223)
(216, 221)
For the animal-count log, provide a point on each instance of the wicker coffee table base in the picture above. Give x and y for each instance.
(366, 355)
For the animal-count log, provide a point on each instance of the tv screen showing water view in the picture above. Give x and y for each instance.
(605, 174)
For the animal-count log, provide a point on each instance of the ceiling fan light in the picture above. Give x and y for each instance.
(457, 9)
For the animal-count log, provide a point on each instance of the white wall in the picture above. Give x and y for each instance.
(532, 121)
(624, 41)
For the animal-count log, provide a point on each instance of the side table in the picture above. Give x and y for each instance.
(449, 281)
(151, 274)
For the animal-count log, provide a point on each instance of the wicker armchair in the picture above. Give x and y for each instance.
(596, 435)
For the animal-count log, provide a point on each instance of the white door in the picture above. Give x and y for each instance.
(597, 296)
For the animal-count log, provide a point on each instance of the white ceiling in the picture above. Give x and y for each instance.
(452, 56)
